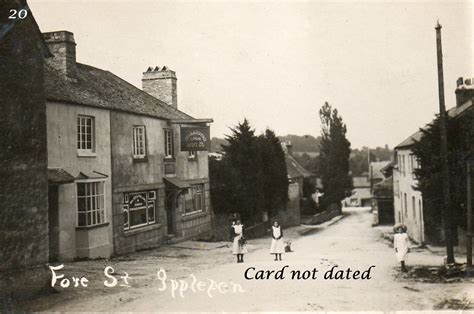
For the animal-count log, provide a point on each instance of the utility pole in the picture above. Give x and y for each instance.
(448, 230)
(469, 219)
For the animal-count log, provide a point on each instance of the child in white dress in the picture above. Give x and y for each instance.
(239, 247)
(401, 244)
(277, 246)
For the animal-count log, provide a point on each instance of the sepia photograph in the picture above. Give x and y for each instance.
(236, 156)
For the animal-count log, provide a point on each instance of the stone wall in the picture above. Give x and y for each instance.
(324, 216)
(291, 216)
(131, 175)
(24, 249)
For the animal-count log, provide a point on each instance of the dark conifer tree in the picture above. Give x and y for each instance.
(334, 157)
(275, 177)
(243, 154)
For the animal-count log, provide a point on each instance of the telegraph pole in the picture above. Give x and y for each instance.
(448, 230)
(469, 219)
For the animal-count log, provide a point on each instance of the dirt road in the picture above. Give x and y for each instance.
(212, 281)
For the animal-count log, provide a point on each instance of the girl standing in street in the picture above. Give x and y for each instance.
(238, 247)
(401, 243)
(277, 246)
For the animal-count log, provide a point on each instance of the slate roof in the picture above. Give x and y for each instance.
(294, 169)
(103, 89)
(377, 167)
(454, 112)
(59, 175)
(360, 182)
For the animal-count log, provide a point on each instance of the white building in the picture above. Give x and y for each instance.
(408, 202)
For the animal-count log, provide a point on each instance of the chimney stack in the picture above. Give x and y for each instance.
(161, 84)
(63, 47)
(464, 90)
(287, 147)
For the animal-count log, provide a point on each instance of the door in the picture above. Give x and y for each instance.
(170, 210)
(53, 219)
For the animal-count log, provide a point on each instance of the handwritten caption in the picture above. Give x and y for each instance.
(177, 288)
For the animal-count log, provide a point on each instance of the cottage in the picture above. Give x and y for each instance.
(360, 194)
(408, 203)
(296, 176)
(382, 196)
(128, 170)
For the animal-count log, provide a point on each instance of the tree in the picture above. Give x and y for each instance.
(243, 154)
(275, 177)
(334, 157)
(251, 177)
(460, 132)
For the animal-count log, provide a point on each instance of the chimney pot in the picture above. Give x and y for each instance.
(464, 91)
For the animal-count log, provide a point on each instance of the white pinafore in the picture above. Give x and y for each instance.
(236, 247)
(401, 243)
(277, 247)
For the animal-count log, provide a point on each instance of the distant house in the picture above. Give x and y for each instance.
(376, 173)
(296, 176)
(360, 194)
(382, 196)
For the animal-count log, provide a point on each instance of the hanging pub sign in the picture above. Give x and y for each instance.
(195, 138)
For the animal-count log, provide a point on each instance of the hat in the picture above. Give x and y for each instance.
(400, 225)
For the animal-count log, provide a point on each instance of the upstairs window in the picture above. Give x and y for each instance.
(85, 134)
(139, 142)
(168, 143)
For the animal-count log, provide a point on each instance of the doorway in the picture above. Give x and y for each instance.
(53, 219)
(170, 206)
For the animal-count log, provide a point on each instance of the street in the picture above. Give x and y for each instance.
(350, 242)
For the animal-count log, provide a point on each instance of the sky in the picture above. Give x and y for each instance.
(276, 63)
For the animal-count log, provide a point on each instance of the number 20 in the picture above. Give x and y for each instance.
(14, 14)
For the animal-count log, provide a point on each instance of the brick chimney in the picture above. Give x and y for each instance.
(63, 47)
(464, 90)
(287, 147)
(161, 84)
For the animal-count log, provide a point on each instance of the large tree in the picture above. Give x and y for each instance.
(334, 157)
(243, 155)
(251, 177)
(460, 134)
(275, 177)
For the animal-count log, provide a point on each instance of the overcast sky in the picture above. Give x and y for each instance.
(276, 63)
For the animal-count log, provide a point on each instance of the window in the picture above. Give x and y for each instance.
(405, 204)
(168, 143)
(401, 202)
(413, 207)
(420, 212)
(90, 203)
(85, 134)
(403, 164)
(194, 200)
(192, 154)
(413, 163)
(139, 142)
(138, 209)
(399, 162)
